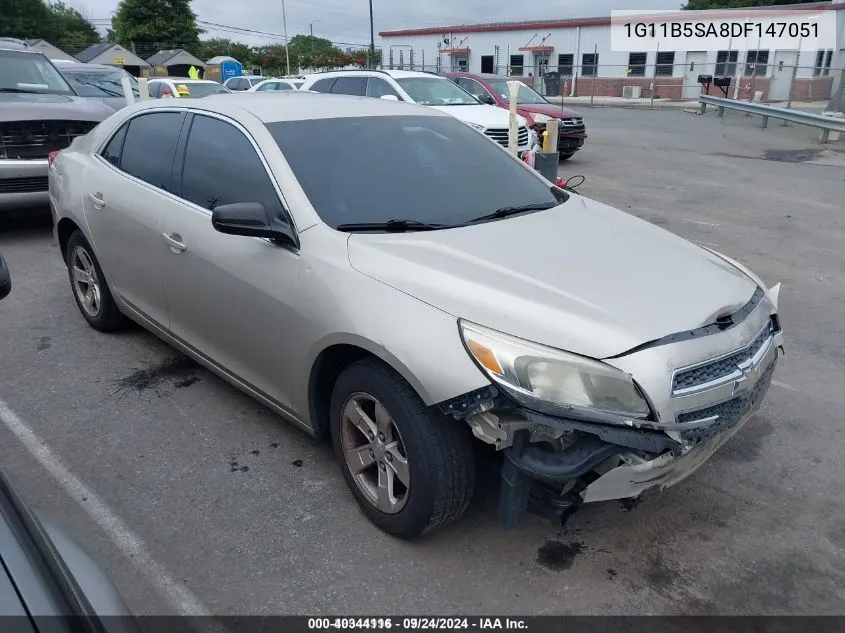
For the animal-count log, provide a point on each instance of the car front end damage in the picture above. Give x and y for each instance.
(575, 430)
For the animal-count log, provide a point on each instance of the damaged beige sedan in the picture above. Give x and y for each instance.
(382, 274)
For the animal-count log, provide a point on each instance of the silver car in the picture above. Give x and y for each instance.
(381, 273)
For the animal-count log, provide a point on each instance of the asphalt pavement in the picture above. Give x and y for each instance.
(196, 499)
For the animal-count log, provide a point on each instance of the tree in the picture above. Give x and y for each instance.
(73, 33)
(222, 46)
(57, 23)
(153, 25)
(696, 5)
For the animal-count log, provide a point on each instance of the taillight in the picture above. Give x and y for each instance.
(51, 157)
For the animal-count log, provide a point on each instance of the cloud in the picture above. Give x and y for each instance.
(347, 21)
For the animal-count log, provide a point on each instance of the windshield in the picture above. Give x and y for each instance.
(435, 170)
(436, 91)
(525, 94)
(94, 82)
(30, 72)
(195, 90)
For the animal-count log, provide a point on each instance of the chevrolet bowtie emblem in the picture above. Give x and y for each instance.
(750, 374)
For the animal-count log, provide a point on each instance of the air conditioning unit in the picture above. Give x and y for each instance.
(632, 92)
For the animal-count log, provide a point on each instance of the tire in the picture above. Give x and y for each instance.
(564, 157)
(438, 452)
(102, 313)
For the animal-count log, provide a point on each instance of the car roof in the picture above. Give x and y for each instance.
(298, 106)
(482, 76)
(184, 80)
(396, 74)
(68, 65)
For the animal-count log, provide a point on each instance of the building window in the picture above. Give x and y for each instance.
(755, 63)
(589, 64)
(636, 64)
(726, 63)
(517, 63)
(665, 66)
(564, 64)
(823, 61)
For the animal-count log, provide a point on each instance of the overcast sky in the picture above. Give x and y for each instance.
(348, 20)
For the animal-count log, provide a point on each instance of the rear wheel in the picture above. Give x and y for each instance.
(567, 156)
(411, 470)
(88, 283)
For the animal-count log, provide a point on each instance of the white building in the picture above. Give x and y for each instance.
(580, 50)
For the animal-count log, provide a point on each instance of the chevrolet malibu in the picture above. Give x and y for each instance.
(381, 273)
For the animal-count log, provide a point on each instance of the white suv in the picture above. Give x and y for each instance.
(425, 89)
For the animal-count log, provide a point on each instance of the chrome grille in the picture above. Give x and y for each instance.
(721, 368)
(573, 125)
(727, 414)
(500, 135)
(36, 139)
(24, 185)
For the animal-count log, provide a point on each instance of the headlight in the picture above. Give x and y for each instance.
(537, 375)
(543, 118)
(478, 127)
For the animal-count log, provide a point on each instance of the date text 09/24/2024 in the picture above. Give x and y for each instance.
(417, 623)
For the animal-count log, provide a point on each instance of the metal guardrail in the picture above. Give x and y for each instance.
(826, 123)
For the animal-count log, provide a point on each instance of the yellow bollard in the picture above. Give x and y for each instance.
(545, 143)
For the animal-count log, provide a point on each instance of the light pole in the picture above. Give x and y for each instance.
(372, 39)
(311, 26)
(287, 52)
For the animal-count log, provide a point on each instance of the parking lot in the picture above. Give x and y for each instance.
(197, 499)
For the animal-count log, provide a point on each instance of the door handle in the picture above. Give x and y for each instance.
(175, 242)
(97, 200)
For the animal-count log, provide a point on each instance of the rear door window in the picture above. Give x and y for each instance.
(150, 146)
(323, 85)
(349, 86)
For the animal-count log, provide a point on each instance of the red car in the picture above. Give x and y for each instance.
(493, 89)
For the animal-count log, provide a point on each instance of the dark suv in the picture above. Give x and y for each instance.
(536, 109)
(39, 113)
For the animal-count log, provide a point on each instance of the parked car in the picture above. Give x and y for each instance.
(536, 109)
(183, 88)
(380, 273)
(273, 85)
(39, 113)
(244, 82)
(45, 574)
(425, 89)
(97, 81)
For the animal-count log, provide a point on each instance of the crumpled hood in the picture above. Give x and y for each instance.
(549, 109)
(482, 114)
(582, 277)
(26, 106)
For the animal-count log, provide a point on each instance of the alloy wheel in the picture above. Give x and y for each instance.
(86, 283)
(374, 452)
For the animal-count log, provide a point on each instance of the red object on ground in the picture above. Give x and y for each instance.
(560, 182)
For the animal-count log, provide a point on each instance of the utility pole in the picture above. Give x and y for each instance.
(372, 39)
(287, 42)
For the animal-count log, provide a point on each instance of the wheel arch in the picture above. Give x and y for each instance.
(64, 229)
(336, 354)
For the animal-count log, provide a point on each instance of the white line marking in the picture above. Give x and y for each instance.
(129, 543)
(699, 222)
(783, 385)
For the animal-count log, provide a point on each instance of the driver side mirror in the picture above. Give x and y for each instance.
(5, 279)
(389, 97)
(486, 98)
(250, 219)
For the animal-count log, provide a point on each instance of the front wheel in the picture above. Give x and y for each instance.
(411, 470)
(567, 156)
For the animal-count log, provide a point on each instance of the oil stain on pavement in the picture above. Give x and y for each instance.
(559, 556)
(175, 371)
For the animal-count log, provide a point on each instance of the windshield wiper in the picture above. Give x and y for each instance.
(24, 90)
(506, 211)
(391, 226)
